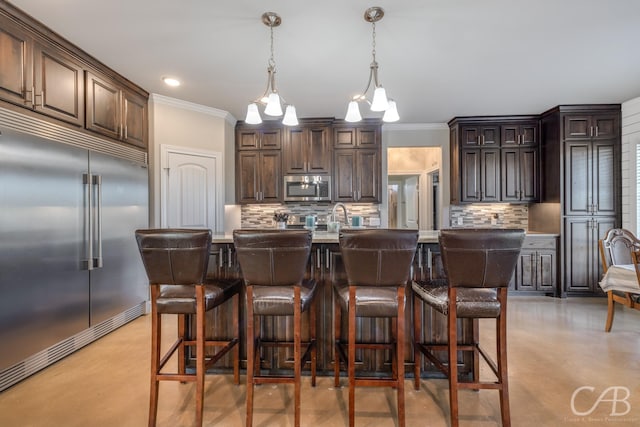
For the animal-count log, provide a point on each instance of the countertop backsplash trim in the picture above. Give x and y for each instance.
(499, 215)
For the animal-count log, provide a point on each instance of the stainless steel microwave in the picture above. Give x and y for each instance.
(303, 188)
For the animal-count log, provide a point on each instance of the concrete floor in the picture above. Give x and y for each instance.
(555, 347)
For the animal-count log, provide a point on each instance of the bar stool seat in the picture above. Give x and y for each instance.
(279, 300)
(177, 299)
(471, 302)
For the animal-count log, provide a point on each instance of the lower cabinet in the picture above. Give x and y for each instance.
(536, 270)
(582, 267)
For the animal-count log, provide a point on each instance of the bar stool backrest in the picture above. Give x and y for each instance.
(480, 257)
(174, 256)
(378, 257)
(272, 257)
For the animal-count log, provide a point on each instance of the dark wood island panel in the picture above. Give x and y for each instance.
(325, 264)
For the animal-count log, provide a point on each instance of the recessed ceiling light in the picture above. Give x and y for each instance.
(170, 81)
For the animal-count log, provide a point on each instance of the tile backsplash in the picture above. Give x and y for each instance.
(261, 215)
(499, 215)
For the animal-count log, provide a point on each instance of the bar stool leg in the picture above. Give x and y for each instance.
(501, 334)
(312, 333)
(400, 355)
(417, 338)
(296, 354)
(352, 356)
(236, 329)
(453, 357)
(250, 355)
(199, 354)
(337, 314)
(156, 331)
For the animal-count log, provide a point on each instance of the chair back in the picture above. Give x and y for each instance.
(616, 247)
(272, 257)
(174, 256)
(378, 257)
(480, 257)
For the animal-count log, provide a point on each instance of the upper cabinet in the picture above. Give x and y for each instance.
(42, 72)
(494, 159)
(38, 76)
(115, 112)
(357, 162)
(307, 149)
(349, 153)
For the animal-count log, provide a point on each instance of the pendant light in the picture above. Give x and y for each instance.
(380, 102)
(271, 98)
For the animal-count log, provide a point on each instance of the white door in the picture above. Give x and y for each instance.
(411, 202)
(193, 187)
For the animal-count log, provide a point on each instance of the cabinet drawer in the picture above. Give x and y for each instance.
(539, 242)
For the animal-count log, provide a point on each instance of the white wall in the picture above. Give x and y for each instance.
(630, 140)
(184, 124)
(417, 135)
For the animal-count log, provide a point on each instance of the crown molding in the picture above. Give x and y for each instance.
(186, 105)
(414, 126)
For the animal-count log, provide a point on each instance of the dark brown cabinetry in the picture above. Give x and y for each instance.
(307, 149)
(115, 112)
(40, 77)
(357, 163)
(536, 268)
(258, 164)
(42, 72)
(494, 159)
(581, 163)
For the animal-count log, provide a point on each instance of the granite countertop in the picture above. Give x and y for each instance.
(424, 236)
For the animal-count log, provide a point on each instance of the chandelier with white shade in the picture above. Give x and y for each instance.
(380, 102)
(271, 98)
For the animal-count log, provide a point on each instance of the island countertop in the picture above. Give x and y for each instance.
(424, 236)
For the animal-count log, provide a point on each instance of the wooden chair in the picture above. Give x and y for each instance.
(273, 264)
(479, 264)
(620, 249)
(378, 266)
(176, 264)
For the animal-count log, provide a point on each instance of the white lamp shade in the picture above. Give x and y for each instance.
(379, 102)
(273, 107)
(353, 112)
(391, 114)
(253, 115)
(290, 117)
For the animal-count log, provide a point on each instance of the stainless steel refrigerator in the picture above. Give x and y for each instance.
(69, 262)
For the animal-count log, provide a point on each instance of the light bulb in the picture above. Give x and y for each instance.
(379, 102)
(391, 114)
(290, 117)
(353, 112)
(253, 115)
(273, 107)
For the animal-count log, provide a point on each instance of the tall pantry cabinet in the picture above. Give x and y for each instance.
(581, 165)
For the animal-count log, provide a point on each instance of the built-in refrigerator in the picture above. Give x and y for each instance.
(69, 264)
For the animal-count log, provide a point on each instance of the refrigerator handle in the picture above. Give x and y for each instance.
(97, 181)
(87, 180)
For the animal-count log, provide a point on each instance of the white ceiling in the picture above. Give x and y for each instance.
(438, 58)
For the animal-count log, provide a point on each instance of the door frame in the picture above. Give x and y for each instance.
(424, 201)
(218, 157)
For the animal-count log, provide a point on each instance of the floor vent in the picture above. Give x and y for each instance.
(49, 356)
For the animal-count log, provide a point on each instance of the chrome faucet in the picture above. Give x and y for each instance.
(344, 209)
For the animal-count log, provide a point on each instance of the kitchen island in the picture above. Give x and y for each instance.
(325, 265)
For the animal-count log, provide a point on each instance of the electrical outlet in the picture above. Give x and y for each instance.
(459, 220)
(374, 222)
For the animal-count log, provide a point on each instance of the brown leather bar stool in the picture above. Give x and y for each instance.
(378, 266)
(176, 264)
(479, 264)
(273, 265)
